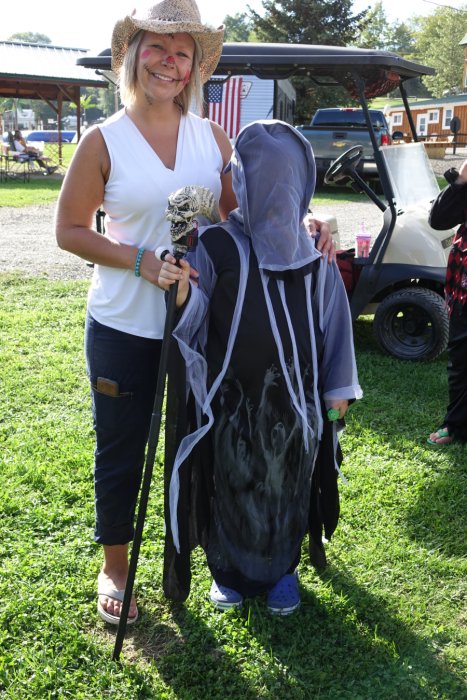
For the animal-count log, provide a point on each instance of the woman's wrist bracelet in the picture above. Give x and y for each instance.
(139, 255)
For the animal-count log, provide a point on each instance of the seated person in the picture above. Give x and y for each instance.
(20, 146)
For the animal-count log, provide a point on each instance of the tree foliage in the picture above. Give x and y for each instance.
(376, 32)
(437, 45)
(374, 29)
(401, 38)
(238, 27)
(305, 22)
(30, 38)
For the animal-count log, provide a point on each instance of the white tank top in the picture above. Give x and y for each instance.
(135, 201)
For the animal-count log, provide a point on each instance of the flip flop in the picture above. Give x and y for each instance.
(116, 595)
(442, 434)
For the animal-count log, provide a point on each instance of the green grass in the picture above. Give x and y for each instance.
(45, 190)
(385, 621)
(67, 152)
(39, 190)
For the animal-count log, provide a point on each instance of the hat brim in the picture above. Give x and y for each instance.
(210, 40)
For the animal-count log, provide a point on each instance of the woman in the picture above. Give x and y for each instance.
(21, 146)
(129, 165)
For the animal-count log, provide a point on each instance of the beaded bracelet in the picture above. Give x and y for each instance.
(139, 255)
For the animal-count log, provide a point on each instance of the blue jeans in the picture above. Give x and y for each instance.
(122, 369)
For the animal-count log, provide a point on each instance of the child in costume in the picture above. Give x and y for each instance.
(266, 338)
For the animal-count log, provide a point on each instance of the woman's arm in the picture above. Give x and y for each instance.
(81, 195)
(227, 200)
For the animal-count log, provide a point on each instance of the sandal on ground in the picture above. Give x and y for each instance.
(284, 597)
(224, 598)
(110, 592)
(440, 438)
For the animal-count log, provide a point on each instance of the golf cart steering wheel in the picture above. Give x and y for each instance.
(346, 162)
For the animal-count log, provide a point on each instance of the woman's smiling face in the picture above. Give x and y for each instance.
(164, 64)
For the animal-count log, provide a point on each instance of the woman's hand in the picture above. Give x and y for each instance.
(325, 244)
(170, 273)
(150, 268)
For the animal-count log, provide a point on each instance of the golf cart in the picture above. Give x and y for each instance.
(402, 279)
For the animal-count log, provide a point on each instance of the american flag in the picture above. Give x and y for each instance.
(224, 102)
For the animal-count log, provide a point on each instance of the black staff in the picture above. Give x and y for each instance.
(183, 206)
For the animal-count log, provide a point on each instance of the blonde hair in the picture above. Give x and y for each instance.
(191, 93)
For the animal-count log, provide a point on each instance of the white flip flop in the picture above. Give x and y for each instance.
(117, 595)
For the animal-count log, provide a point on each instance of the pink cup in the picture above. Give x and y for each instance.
(362, 244)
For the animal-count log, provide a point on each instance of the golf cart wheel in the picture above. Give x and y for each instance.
(412, 324)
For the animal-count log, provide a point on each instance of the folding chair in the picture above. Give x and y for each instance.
(27, 163)
(14, 164)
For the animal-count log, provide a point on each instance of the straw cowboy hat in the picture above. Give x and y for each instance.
(170, 17)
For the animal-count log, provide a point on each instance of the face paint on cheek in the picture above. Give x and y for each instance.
(145, 54)
(187, 77)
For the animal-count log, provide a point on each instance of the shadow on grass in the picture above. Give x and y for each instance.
(353, 646)
(348, 645)
(188, 657)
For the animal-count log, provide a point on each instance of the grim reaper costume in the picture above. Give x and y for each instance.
(265, 339)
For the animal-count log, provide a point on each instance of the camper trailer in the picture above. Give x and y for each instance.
(239, 100)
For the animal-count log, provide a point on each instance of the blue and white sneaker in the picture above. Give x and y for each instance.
(284, 597)
(224, 598)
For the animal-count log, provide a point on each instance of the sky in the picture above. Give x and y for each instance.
(89, 26)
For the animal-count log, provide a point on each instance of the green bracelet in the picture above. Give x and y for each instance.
(139, 255)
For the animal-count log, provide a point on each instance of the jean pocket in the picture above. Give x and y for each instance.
(109, 387)
(113, 415)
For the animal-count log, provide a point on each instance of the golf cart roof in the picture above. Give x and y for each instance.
(381, 71)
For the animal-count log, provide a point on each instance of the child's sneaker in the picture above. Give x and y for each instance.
(225, 598)
(284, 597)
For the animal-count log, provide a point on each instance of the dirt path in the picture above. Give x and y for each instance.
(27, 244)
(27, 241)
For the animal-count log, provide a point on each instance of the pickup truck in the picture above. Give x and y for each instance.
(334, 130)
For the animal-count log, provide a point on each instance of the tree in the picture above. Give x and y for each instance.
(401, 39)
(398, 37)
(108, 100)
(437, 45)
(374, 29)
(305, 22)
(377, 33)
(237, 27)
(30, 38)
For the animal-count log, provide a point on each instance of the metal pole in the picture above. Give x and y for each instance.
(153, 440)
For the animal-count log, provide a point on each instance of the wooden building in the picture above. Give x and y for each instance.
(432, 117)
